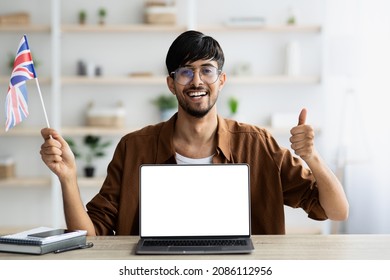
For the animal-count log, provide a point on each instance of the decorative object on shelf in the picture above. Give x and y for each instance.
(93, 148)
(7, 167)
(81, 68)
(292, 18)
(82, 17)
(88, 69)
(113, 117)
(234, 112)
(98, 71)
(245, 22)
(102, 13)
(233, 107)
(167, 104)
(160, 12)
(20, 18)
(293, 59)
(243, 69)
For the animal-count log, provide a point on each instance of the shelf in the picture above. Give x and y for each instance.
(25, 182)
(161, 80)
(20, 130)
(29, 182)
(264, 28)
(24, 28)
(117, 28)
(273, 80)
(90, 182)
(78, 28)
(84, 130)
(75, 28)
(105, 80)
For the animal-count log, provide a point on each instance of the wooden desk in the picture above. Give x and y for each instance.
(267, 247)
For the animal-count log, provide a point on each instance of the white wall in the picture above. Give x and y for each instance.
(358, 40)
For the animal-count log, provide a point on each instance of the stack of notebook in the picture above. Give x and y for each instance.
(42, 240)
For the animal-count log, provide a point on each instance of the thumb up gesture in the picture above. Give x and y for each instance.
(302, 138)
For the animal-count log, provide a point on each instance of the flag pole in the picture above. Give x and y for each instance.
(43, 104)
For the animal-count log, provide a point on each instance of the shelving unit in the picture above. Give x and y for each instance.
(32, 182)
(118, 28)
(68, 131)
(59, 82)
(265, 28)
(83, 130)
(109, 81)
(155, 80)
(74, 28)
(25, 182)
(25, 28)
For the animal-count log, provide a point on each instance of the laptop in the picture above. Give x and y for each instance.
(194, 209)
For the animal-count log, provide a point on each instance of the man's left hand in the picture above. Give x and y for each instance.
(302, 138)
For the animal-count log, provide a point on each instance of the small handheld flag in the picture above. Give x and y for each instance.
(16, 106)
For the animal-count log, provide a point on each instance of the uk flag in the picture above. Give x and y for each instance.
(16, 101)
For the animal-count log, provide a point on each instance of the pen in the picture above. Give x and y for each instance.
(87, 245)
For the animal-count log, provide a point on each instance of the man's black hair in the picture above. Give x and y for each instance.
(191, 46)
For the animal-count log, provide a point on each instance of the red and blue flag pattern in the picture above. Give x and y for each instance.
(16, 106)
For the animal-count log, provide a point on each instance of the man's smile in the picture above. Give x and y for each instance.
(196, 94)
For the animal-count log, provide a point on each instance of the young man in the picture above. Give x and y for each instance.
(197, 134)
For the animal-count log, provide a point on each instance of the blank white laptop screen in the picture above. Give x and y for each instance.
(194, 200)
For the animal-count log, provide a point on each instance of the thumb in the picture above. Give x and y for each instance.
(61, 140)
(302, 117)
(53, 134)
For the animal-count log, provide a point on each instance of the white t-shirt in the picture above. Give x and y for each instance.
(185, 160)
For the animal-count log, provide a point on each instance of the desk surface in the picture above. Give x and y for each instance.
(268, 247)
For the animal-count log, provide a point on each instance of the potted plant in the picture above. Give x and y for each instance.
(102, 13)
(93, 148)
(167, 104)
(82, 17)
(233, 104)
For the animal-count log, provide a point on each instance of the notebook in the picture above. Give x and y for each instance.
(194, 209)
(43, 240)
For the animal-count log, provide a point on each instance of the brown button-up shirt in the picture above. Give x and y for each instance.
(277, 178)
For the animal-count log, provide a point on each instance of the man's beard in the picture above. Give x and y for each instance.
(196, 112)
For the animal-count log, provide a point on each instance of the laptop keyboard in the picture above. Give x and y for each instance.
(196, 242)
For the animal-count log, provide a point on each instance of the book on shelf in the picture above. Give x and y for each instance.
(42, 240)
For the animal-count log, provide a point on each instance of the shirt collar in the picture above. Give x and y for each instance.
(223, 138)
(166, 151)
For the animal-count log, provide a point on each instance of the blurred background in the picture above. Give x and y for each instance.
(101, 69)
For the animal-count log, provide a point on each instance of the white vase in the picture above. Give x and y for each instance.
(293, 59)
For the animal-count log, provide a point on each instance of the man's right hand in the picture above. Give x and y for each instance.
(57, 155)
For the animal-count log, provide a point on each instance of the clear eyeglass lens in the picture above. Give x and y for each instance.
(208, 74)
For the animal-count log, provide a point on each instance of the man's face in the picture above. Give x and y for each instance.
(199, 96)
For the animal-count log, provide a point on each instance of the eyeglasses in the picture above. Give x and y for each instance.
(184, 75)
